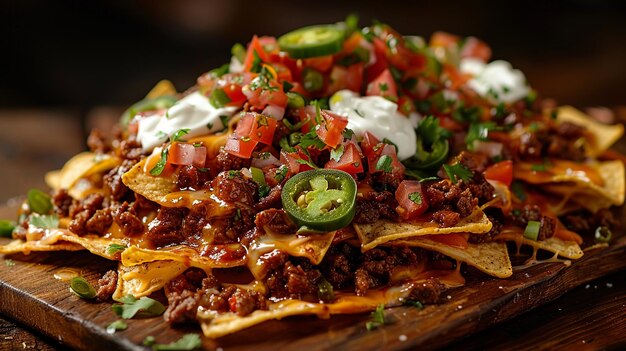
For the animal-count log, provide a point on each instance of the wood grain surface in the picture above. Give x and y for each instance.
(30, 294)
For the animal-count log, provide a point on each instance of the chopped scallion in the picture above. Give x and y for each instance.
(532, 230)
(82, 288)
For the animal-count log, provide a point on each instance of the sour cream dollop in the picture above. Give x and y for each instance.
(193, 112)
(497, 81)
(378, 116)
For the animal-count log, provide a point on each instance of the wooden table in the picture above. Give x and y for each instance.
(592, 316)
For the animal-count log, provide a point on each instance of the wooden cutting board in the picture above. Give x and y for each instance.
(31, 294)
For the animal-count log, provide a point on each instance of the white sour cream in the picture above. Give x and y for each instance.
(497, 81)
(193, 112)
(378, 116)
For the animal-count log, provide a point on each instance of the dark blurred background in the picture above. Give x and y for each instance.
(69, 65)
(86, 53)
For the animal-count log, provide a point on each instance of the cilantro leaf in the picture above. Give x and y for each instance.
(384, 164)
(187, 342)
(311, 139)
(160, 166)
(44, 221)
(336, 153)
(378, 318)
(478, 131)
(179, 134)
(458, 172)
(114, 248)
(115, 326)
(131, 306)
(306, 162)
(416, 197)
(430, 131)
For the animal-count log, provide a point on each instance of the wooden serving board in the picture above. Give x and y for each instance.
(31, 294)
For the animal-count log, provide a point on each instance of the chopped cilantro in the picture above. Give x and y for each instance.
(281, 173)
(416, 197)
(115, 326)
(384, 164)
(336, 153)
(478, 131)
(518, 190)
(160, 166)
(44, 221)
(311, 139)
(458, 172)
(378, 318)
(114, 248)
(306, 162)
(414, 303)
(186, 343)
(131, 306)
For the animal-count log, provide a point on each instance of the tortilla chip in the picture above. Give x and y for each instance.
(381, 232)
(567, 249)
(215, 325)
(82, 165)
(604, 135)
(134, 256)
(162, 88)
(26, 247)
(152, 188)
(146, 278)
(491, 258)
(561, 180)
(312, 246)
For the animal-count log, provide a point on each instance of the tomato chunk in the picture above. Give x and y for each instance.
(240, 146)
(256, 127)
(384, 86)
(501, 171)
(411, 199)
(331, 130)
(181, 154)
(349, 162)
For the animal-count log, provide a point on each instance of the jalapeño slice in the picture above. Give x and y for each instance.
(320, 199)
(312, 41)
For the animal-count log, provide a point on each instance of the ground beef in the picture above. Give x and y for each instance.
(183, 297)
(428, 292)
(339, 264)
(226, 161)
(294, 280)
(142, 204)
(277, 221)
(165, 230)
(387, 180)
(191, 178)
(107, 285)
(272, 200)
(82, 211)
(99, 222)
(586, 223)
(373, 206)
(97, 142)
(233, 299)
(231, 186)
(62, 202)
(446, 218)
(558, 142)
(378, 264)
(126, 218)
(547, 228)
(130, 149)
(113, 181)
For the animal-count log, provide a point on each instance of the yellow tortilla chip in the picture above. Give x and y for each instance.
(80, 166)
(162, 88)
(134, 256)
(604, 135)
(26, 247)
(146, 278)
(152, 188)
(567, 249)
(215, 325)
(313, 247)
(381, 232)
(607, 182)
(491, 258)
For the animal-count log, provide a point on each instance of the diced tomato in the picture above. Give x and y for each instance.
(240, 146)
(353, 42)
(476, 48)
(262, 97)
(443, 39)
(181, 154)
(254, 46)
(199, 158)
(282, 72)
(350, 160)
(331, 130)
(269, 46)
(369, 144)
(411, 199)
(405, 105)
(454, 240)
(256, 127)
(320, 63)
(232, 303)
(350, 77)
(383, 85)
(233, 91)
(373, 149)
(290, 159)
(380, 63)
(501, 171)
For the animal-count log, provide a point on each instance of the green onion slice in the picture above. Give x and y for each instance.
(38, 201)
(82, 288)
(603, 234)
(532, 230)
